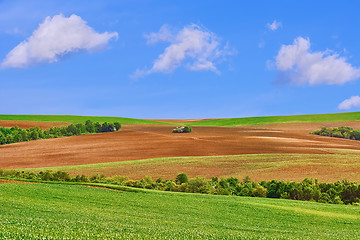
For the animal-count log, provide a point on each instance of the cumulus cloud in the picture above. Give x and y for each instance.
(193, 46)
(300, 66)
(352, 102)
(275, 25)
(54, 38)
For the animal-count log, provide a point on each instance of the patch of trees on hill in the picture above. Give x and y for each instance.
(339, 132)
(16, 134)
(182, 129)
(343, 192)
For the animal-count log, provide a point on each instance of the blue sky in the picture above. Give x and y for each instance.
(179, 59)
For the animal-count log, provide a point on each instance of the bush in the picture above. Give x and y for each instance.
(198, 185)
(339, 132)
(259, 192)
(182, 129)
(181, 178)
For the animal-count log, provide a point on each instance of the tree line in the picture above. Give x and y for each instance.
(16, 134)
(339, 132)
(341, 192)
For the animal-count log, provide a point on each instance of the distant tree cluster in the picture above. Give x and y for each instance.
(339, 132)
(16, 134)
(343, 192)
(182, 129)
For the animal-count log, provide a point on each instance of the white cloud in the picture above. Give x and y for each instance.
(164, 34)
(54, 38)
(352, 102)
(301, 66)
(275, 25)
(195, 47)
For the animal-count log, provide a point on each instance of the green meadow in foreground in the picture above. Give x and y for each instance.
(58, 211)
(75, 119)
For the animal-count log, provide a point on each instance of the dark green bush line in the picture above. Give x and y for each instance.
(339, 132)
(343, 192)
(16, 134)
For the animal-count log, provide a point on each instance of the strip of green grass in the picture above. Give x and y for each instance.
(229, 122)
(226, 122)
(75, 119)
(59, 211)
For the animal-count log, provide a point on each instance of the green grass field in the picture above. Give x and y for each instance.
(75, 119)
(229, 122)
(226, 122)
(338, 165)
(59, 211)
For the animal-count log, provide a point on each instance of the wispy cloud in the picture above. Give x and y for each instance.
(352, 102)
(54, 38)
(275, 25)
(300, 66)
(193, 46)
(14, 31)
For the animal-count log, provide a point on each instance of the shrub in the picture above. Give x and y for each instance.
(117, 126)
(339, 132)
(198, 185)
(2, 138)
(181, 178)
(121, 180)
(182, 129)
(337, 200)
(259, 191)
(324, 198)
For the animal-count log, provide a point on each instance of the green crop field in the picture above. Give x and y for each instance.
(229, 122)
(60, 211)
(226, 122)
(75, 119)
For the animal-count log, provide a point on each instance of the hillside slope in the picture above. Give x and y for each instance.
(34, 211)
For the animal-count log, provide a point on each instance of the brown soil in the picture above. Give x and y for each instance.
(135, 142)
(24, 125)
(177, 120)
(14, 181)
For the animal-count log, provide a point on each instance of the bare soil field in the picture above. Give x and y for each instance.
(135, 142)
(14, 181)
(23, 124)
(177, 120)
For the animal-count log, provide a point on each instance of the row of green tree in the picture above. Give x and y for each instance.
(16, 134)
(343, 192)
(339, 132)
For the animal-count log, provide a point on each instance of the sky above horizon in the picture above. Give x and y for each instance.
(179, 59)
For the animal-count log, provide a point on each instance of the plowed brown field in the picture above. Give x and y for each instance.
(23, 124)
(136, 142)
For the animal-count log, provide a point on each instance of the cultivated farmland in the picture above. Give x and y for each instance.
(284, 151)
(280, 150)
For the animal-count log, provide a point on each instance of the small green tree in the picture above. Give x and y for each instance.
(97, 127)
(181, 178)
(117, 125)
(198, 185)
(259, 191)
(89, 126)
(2, 138)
